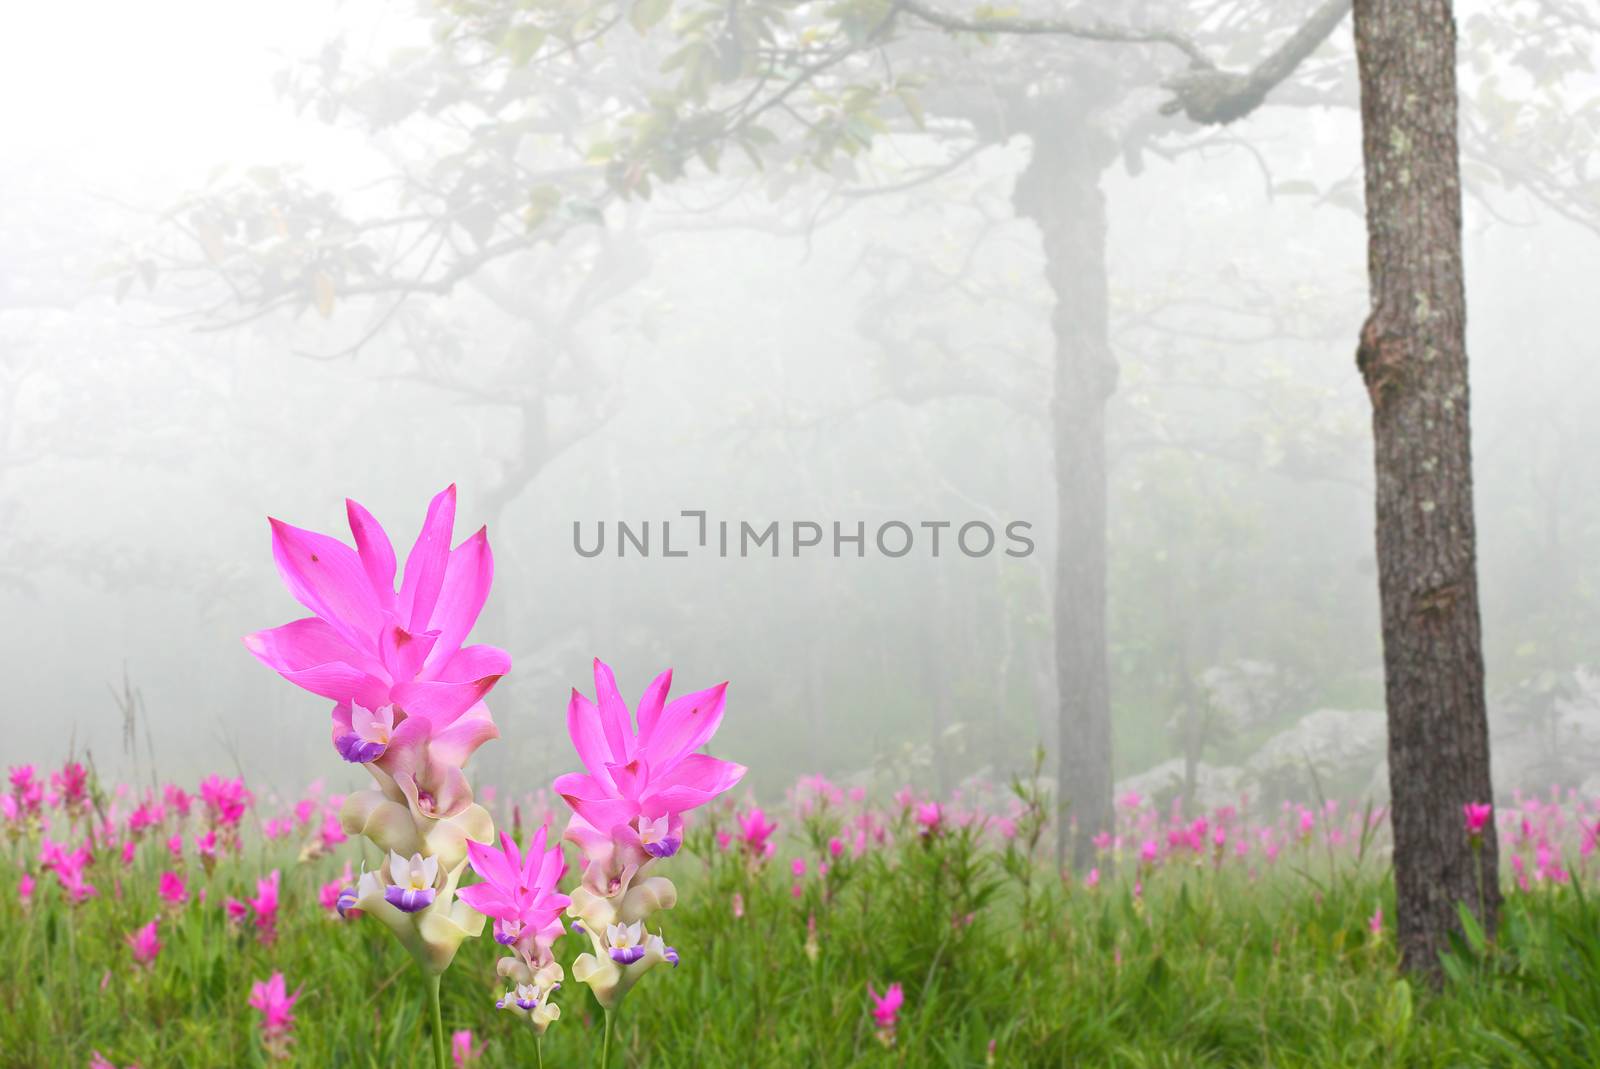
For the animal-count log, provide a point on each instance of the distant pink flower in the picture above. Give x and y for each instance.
(332, 833)
(265, 907)
(738, 905)
(1477, 816)
(177, 799)
(28, 791)
(1092, 880)
(175, 846)
(798, 866)
(835, 847)
(71, 785)
(755, 833)
(886, 1011)
(277, 1013)
(25, 890)
(225, 800)
(1375, 922)
(98, 1061)
(628, 806)
(145, 945)
(929, 818)
(463, 1050)
(408, 694)
(69, 869)
(328, 894)
(172, 889)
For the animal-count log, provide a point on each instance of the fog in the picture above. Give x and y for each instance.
(871, 344)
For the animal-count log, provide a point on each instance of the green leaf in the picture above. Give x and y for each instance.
(646, 13)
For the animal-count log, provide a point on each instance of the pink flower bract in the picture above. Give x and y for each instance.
(640, 783)
(369, 647)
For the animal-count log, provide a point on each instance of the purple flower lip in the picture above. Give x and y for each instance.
(626, 955)
(527, 1003)
(356, 750)
(407, 900)
(347, 901)
(672, 956)
(665, 848)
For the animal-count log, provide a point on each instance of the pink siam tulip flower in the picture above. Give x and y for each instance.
(628, 807)
(145, 945)
(172, 890)
(1375, 922)
(71, 785)
(69, 869)
(332, 833)
(175, 846)
(98, 1061)
(1477, 816)
(463, 1049)
(225, 800)
(755, 833)
(177, 799)
(519, 893)
(930, 818)
(265, 907)
(407, 692)
(329, 894)
(277, 1013)
(886, 1011)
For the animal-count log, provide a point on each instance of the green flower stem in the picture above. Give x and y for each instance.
(605, 1046)
(438, 1023)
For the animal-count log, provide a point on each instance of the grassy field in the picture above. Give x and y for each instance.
(1217, 941)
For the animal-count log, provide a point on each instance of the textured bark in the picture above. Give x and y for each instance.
(1413, 358)
(1060, 191)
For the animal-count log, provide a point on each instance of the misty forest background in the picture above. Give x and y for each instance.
(251, 265)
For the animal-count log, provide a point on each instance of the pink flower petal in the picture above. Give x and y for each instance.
(467, 576)
(425, 566)
(326, 576)
(685, 725)
(377, 555)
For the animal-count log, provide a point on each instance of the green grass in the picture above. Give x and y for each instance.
(1206, 967)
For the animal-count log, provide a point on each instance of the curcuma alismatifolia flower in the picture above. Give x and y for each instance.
(628, 807)
(519, 892)
(627, 811)
(408, 705)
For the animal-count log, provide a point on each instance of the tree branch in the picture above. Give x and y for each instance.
(1088, 31)
(1217, 97)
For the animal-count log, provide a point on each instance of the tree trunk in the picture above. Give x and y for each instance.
(1413, 358)
(1060, 191)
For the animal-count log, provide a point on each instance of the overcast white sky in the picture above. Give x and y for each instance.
(129, 97)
